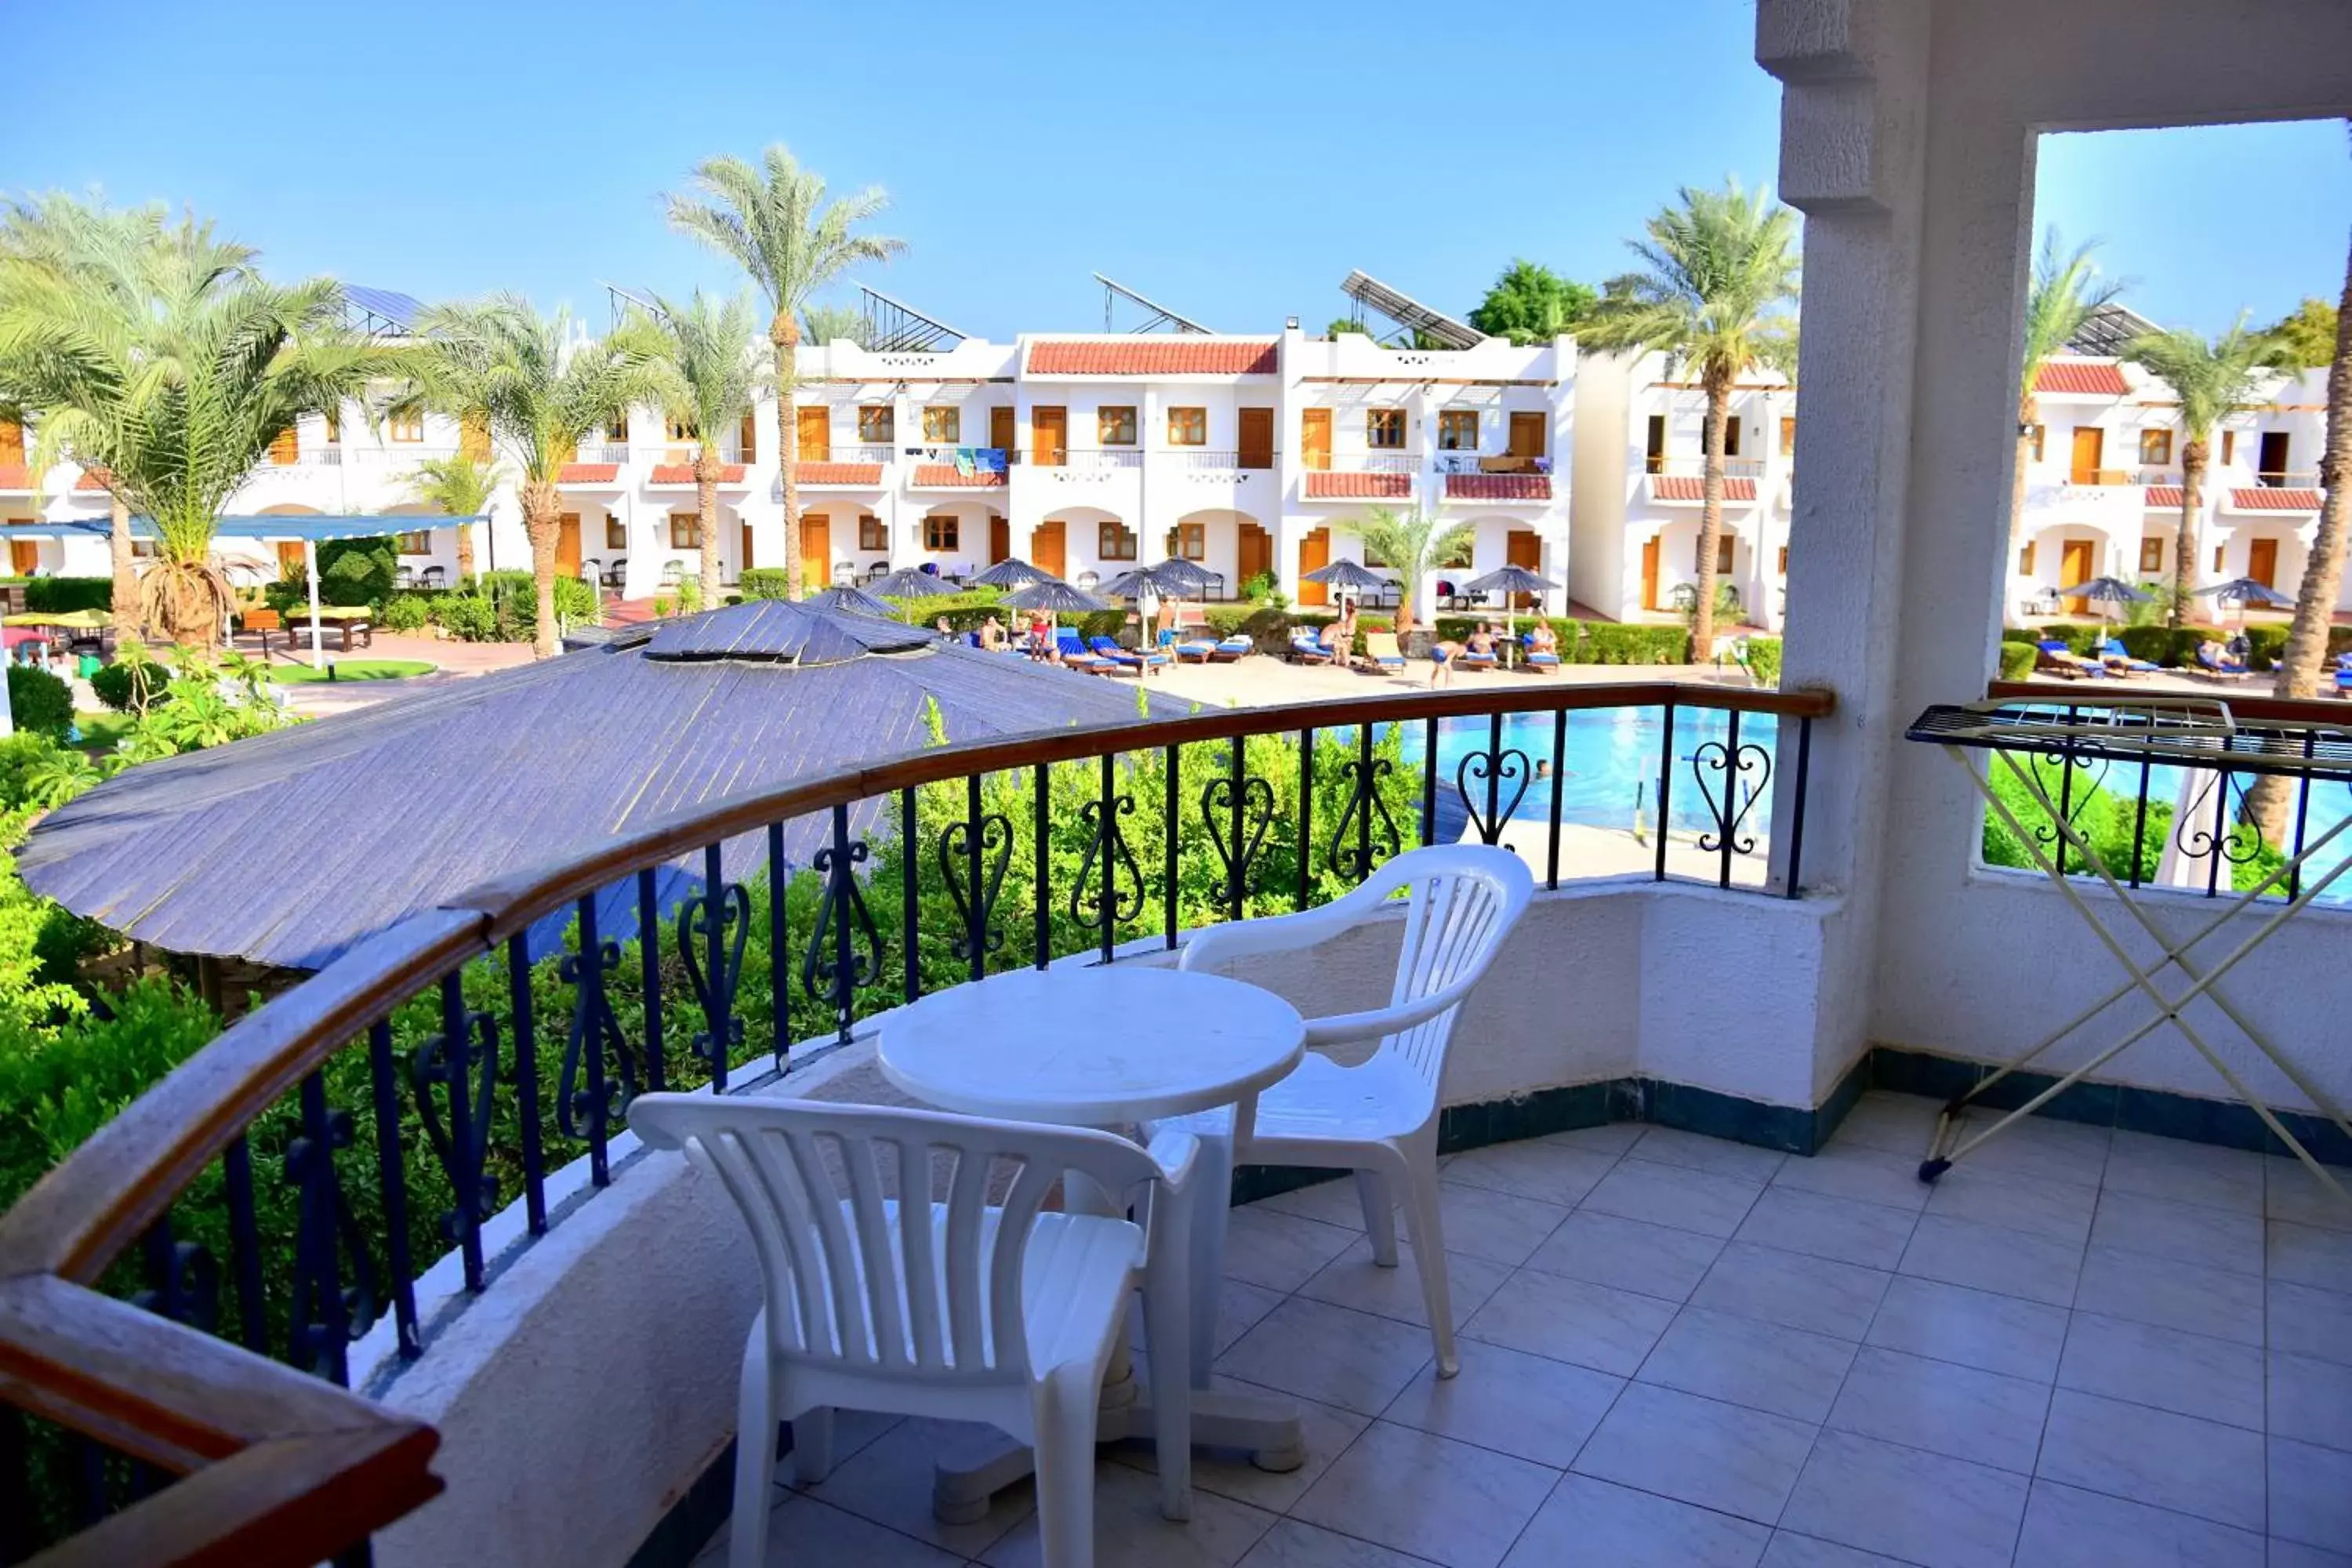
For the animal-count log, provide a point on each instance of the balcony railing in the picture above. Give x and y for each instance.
(1085, 462)
(1694, 465)
(1382, 462)
(602, 452)
(1202, 463)
(435, 1052)
(308, 458)
(856, 453)
(671, 453)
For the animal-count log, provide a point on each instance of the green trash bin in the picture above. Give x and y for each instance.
(88, 665)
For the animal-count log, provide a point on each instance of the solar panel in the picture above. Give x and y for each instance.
(1410, 313)
(382, 312)
(2110, 330)
(1160, 315)
(893, 327)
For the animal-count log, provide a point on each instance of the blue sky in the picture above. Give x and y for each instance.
(1233, 161)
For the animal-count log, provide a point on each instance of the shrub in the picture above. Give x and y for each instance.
(467, 616)
(1760, 657)
(404, 612)
(40, 701)
(1611, 642)
(765, 581)
(357, 571)
(126, 682)
(2172, 646)
(68, 593)
(2017, 661)
(2268, 645)
(1261, 585)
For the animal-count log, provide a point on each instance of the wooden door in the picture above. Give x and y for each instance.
(2075, 566)
(1314, 437)
(2090, 447)
(11, 442)
(1000, 541)
(567, 545)
(1522, 547)
(815, 426)
(1049, 436)
(1314, 554)
(2262, 561)
(1047, 551)
(287, 448)
(743, 562)
(24, 556)
(1257, 438)
(817, 551)
(289, 558)
(1527, 435)
(1254, 552)
(1650, 572)
(1000, 429)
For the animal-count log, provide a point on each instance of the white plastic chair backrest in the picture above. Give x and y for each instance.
(1461, 901)
(847, 1284)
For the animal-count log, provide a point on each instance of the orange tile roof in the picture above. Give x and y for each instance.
(1186, 355)
(1499, 487)
(1353, 487)
(838, 473)
(15, 477)
(95, 479)
(2164, 496)
(1687, 487)
(683, 474)
(949, 474)
(2267, 497)
(2066, 375)
(588, 474)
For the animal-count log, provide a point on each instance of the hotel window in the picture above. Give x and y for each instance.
(1114, 541)
(942, 426)
(2155, 448)
(2025, 561)
(747, 443)
(1783, 567)
(617, 532)
(616, 428)
(682, 430)
(871, 535)
(1115, 426)
(1654, 445)
(1788, 435)
(939, 533)
(686, 530)
(334, 425)
(417, 543)
(2151, 554)
(1384, 429)
(2219, 551)
(1731, 438)
(1373, 558)
(12, 441)
(1725, 545)
(2035, 435)
(2228, 447)
(287, 447)
(1457, 429)
(1190, 541)
(876, 424)
(1188, 427)
(407, 426)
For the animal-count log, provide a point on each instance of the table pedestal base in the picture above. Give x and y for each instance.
(1268, 1428)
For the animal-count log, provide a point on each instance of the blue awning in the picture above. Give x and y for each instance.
(317, 530)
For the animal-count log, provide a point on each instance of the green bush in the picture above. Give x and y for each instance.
(2269, 645)
(1761, 660)
(404, 612)
(40, 701)
(358, 571)
(1611, 642)
(125, 683)
(2017, 661)
(503, 606)
(765, 582)
(2175, 647)
(2105, 820)
(67, 593)
(467, 616)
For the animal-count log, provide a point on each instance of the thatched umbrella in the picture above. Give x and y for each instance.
(1506, 581)
(1055, 597)
(851, 600)
(1010, 572)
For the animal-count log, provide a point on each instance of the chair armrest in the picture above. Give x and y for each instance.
(1341, 1028)
(1280, 933)
(1176, 1153)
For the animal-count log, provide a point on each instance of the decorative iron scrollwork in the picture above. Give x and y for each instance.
(334, 1276)
(988, 846)
(1489, 772)
(845, 950)
(2240, 842)
(1107, 846)
(1364, 820)
(184, 1282)
(580, 1110)
(700, 943)
(460, 1065)
(1740, 793)
(1227, 802)
(2077, 778)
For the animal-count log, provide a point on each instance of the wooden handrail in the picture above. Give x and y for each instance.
(288, 1468)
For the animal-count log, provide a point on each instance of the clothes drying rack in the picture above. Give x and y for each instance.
(2187, 732)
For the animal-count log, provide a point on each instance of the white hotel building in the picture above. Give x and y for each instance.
(1083, 454)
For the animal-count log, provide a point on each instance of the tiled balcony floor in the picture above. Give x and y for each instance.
(2079, 1348)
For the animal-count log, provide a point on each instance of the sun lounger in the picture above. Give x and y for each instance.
(1465, 660)
(1232, 648)
(2220, 665)
(1538, 658)
(2052, 657)
(1073, 649)
(1384, 650)
(1200, 650)
(2111, 653)
(1305, 649)
(1127, 658)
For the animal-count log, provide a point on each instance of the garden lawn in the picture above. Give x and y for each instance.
(351, 669)
(101, 729)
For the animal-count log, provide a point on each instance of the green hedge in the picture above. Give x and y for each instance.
(2016, 659)
(65, 593)
(765, 582)
(38, 701)
(1590, 642)
(1763, 660)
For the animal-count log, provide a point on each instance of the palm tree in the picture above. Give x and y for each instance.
(776, 225)
(460, 485)
(65, 251)
(708, 376)
(1722, 270)
(832, 323)
(1414, 543)
(2213, 380)
(2067, 292)
(172, 379)
(540, 389)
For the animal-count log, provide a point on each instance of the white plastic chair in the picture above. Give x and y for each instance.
(1378, 1119)
(996, 1312)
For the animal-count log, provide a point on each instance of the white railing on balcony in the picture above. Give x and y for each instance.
(1195, 462)
(1694, 465)
(602, 452)
(673, 452)
(308, 458)
(1369, 463)
(1085, 462)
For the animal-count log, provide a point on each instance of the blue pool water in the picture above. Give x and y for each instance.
(1608, 766)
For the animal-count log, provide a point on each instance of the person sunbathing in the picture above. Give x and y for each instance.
(1543, 639)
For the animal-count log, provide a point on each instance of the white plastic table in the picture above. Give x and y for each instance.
(1107, 1047)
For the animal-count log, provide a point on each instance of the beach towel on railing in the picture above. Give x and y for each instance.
(965, 465)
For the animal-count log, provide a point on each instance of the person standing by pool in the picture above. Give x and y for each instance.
(1441, 663)
(1343, 638)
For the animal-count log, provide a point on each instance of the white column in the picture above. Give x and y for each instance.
(311, 571)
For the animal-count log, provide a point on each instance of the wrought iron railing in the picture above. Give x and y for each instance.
(182, 1297)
